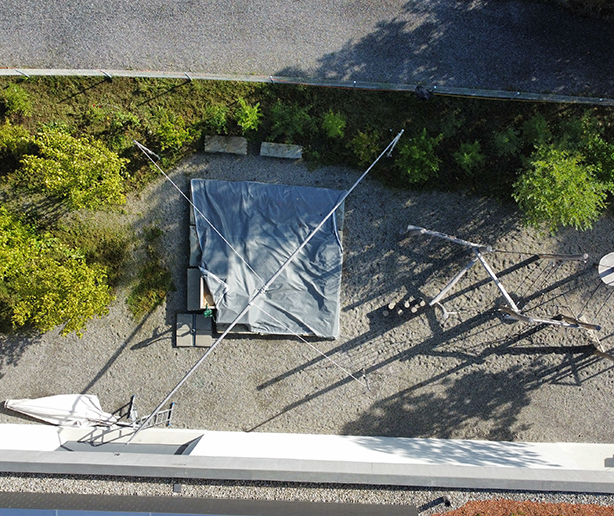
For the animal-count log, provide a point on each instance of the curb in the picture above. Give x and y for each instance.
(201, 76)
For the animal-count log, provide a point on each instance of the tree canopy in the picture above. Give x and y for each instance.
(560, 189)
(82, 171)
(45, 283)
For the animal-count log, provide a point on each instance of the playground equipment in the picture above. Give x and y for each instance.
(510, 308)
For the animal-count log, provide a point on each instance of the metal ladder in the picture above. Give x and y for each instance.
(130, 416)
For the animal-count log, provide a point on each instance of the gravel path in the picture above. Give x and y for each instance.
(493, 44)
(471, 376)
(427, 501)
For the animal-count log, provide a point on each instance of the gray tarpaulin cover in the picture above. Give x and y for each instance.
(265, 223)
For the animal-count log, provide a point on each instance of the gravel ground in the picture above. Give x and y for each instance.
(471, 376)
(428, 502)
(517, 45)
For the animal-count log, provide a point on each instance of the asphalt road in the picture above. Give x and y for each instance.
(491, 44)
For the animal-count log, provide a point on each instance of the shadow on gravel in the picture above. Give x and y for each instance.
(156, 337)
(12, 346)
(496, 398)
(477, 396)
(504, 44)
(115, 355)
(417, 260)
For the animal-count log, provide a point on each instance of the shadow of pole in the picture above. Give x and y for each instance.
(115, 355)
(165, 92)
(553, 374)
(82, 91)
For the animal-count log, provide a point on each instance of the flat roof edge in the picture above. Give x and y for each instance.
(301, 470)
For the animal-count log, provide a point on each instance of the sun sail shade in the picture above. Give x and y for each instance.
(264, 224)
(80, 410)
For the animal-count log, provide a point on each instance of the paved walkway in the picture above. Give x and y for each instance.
(491, 44)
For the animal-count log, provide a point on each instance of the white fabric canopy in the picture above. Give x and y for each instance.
(80, 410)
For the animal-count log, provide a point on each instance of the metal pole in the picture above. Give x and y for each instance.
(416, 230)
(438, 90)
(453, 282)
(564, 257)
(497, 281)
(262, 290)
(565, 322)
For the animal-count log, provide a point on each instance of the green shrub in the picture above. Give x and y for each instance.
(45, 283)
(16, 100)
(536, 131)
(560, 189)
(58, 126)
(15, 140)
(96, 114)
(214, 119)
(598, 152)
(248, 117)
(122, 120)
(333, 124)
(469, 157)
(99, 244)
(506, 142)
(570, 131)
(417, 158)
(81, 171)
(289, 121)
(365, 146)
(122, 130)
(452, 123)
(170, 130)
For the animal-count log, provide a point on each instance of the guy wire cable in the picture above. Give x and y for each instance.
(149, 155)
(388, 151)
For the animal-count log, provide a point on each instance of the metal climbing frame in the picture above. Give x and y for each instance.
(510, 310)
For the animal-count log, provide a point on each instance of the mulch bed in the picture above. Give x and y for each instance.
(512, 508)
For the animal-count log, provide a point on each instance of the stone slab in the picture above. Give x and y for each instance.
(281, 150)
(184, 337)
(203, 325)
(194, 290)
(194, 247)
(203, 331)
(193, 330)
(226, 144)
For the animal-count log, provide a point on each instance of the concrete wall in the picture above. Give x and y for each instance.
(173, 453)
